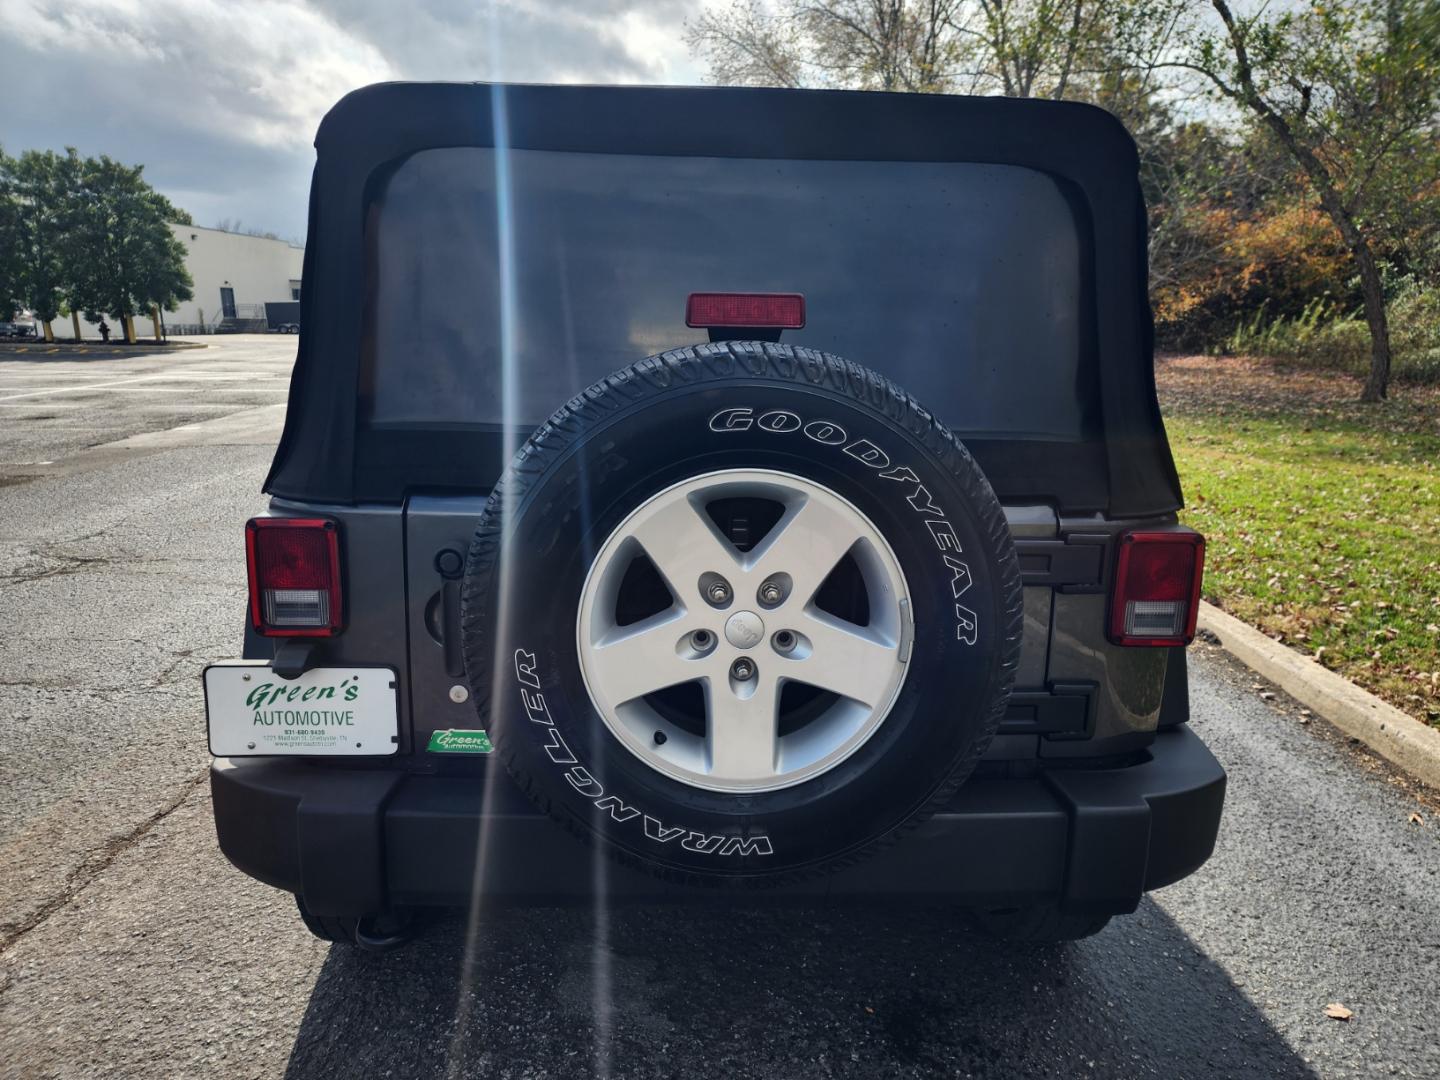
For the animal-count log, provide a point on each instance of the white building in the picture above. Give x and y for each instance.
(234, 277)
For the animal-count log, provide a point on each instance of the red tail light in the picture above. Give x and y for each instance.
(769, 311)
(1156, 599)
(294, 576)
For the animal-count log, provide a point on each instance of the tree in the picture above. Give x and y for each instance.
(132, 260)
(11, 289)
(870, 44)
(39, 188)
(238, 227)
(1019, 48)
(1350, 89)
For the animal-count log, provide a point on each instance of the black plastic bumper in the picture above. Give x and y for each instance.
(355, 842)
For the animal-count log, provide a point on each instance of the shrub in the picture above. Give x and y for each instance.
(1322, 336)
(1275, 264)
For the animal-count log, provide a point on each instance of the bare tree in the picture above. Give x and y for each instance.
(870, 44)
(1019, 48)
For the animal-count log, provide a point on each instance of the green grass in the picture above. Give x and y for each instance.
(1322, 518)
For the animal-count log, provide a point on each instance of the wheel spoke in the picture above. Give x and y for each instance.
(639, 659)
(845, 659)
(683, 543)
(807, 543)
(741, 736)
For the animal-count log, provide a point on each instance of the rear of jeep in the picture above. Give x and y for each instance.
(765, 489)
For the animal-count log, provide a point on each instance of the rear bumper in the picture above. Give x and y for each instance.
(355, 842)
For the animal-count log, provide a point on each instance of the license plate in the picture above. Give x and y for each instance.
(327, 711)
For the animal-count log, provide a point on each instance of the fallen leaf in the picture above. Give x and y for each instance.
(1416, 819)
(869, 1010)
(1336, 1011)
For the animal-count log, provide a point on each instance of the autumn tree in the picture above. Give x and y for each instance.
(1350, 89)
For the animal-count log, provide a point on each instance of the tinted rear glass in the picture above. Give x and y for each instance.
(961, 281)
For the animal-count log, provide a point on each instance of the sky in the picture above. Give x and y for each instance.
(220, 101)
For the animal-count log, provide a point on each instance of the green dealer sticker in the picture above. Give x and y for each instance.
(459, 741)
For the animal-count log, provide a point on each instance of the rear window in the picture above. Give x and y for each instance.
(500, 284)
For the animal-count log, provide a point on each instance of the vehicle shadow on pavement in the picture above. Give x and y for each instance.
(772, 993)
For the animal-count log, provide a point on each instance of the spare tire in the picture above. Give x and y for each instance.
(741, 613)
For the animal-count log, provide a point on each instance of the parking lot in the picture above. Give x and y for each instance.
(129, 947)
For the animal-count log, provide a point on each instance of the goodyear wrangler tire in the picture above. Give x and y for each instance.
(741, 613)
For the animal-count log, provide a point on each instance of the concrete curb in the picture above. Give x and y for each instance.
(1400, 739)
(143, 347)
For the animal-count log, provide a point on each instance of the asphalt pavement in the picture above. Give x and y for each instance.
(129, 947)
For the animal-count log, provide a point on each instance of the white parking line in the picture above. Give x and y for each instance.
(152, 390)
(74, 389)
(214, 376)
(130, 383)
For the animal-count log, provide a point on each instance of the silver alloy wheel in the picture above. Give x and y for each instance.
(742, 651)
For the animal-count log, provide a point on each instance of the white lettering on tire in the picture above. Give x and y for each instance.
(829, 433)
(583, 782)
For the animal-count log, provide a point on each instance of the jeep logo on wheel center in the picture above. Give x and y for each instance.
(829, 433)
(744, 629)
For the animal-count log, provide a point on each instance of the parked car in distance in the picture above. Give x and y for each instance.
(764, 488)
(17, 330)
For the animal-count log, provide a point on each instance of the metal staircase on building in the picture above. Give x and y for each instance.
(247, 319)
(241, 326)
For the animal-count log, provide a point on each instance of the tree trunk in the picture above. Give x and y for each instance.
(75, 322)
(1070, 49)
(1378, 383)
(1372, 289)
(129, 323)
(49, 333)
(155, 320)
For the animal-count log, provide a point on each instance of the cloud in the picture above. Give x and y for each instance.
(220, 101)
(526, 40)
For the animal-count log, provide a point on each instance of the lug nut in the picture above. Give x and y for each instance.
(700, 639)
(718, 592)
(784, 641)
(770, 593)
(743, 670)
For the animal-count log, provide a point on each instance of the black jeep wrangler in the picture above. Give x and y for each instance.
(842, 566)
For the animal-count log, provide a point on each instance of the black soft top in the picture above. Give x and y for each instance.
(322, 456)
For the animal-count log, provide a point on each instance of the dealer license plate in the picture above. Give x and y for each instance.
(253, 712)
